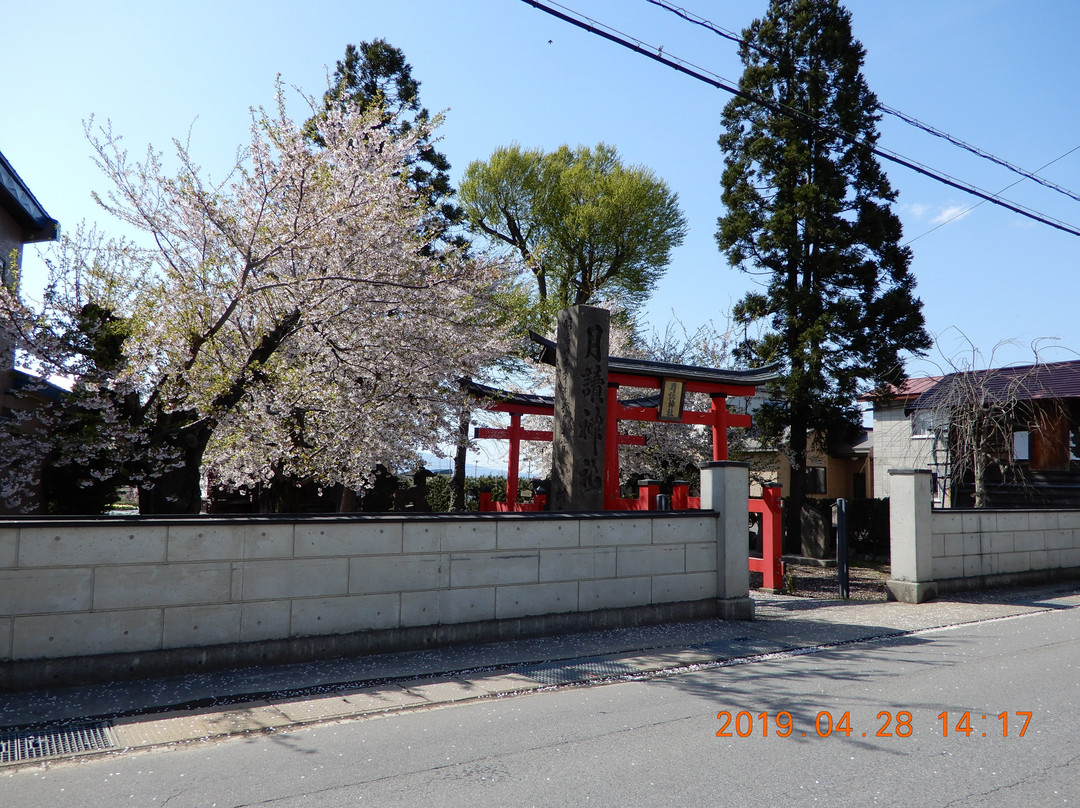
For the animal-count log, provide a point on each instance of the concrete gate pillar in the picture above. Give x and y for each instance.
(911, 536)
(725, 488)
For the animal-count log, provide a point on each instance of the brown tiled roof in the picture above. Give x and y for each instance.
(1052, 380)
(908, 390)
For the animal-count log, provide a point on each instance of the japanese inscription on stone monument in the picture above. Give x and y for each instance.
(581, 392)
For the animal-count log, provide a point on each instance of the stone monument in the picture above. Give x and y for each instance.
(581, 372)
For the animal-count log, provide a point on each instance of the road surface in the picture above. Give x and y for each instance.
(935, 718)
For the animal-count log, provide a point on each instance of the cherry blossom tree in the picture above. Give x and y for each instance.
(285, 320)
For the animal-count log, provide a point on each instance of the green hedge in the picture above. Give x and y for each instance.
(438, 491)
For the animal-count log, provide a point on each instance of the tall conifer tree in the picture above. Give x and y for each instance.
(809, 212)
(376, 75)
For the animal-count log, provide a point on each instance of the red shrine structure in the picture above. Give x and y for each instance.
(672, 381)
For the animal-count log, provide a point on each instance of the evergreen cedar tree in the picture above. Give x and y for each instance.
(377, 76)
(808, 211)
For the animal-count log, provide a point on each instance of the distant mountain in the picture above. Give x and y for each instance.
(444, 465)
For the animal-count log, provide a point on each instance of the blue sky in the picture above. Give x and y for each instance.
(999, 74)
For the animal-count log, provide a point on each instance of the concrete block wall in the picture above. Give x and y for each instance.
(973, 544)
(938, 551)
(72, 589)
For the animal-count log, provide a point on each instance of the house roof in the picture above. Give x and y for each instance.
(1046, 381)
(861, 444)
(907, 390)
(23, 207)
(34, 385)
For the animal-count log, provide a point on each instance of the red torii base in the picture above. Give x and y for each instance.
(515, 435)
(772, 535)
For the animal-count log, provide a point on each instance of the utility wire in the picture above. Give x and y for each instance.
(968, 210)
(1032, 175)
(657, 54)
(908, 119)
(704, 23)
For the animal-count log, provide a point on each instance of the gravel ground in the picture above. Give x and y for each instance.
(865, 582)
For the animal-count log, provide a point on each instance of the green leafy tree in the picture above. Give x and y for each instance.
(809, 212)
(586, 226)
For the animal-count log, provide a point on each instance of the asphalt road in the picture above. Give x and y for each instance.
(654, 742)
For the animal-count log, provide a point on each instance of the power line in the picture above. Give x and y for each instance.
(908, 119)
(689, 16)
(1030, 175)
(657, 54)
(638, 46)
(968, 210)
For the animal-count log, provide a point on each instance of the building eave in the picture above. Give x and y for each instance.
(19, 203)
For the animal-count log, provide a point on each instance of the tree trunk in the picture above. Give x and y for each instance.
(980, 465)
(179, 490)
(347, 503)
(796, 493)
(457, 483)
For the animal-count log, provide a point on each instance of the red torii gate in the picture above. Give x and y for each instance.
(672, 380)
(518, 404)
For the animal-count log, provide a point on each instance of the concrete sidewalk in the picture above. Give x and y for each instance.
(37, 726)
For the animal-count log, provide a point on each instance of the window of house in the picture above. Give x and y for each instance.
(1074, 430)
(928, 423)
(1022, 445)
(815, 480)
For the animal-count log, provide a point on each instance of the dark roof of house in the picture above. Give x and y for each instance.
(34, 385)
(23, 207)
(1046, 381)
(862, 443)
(660, 370)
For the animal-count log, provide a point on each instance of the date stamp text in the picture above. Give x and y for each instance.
(901, 724)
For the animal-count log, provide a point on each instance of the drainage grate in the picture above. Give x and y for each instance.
(45, 742)
(562, 674)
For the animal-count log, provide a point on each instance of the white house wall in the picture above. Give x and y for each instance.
(894, 447)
